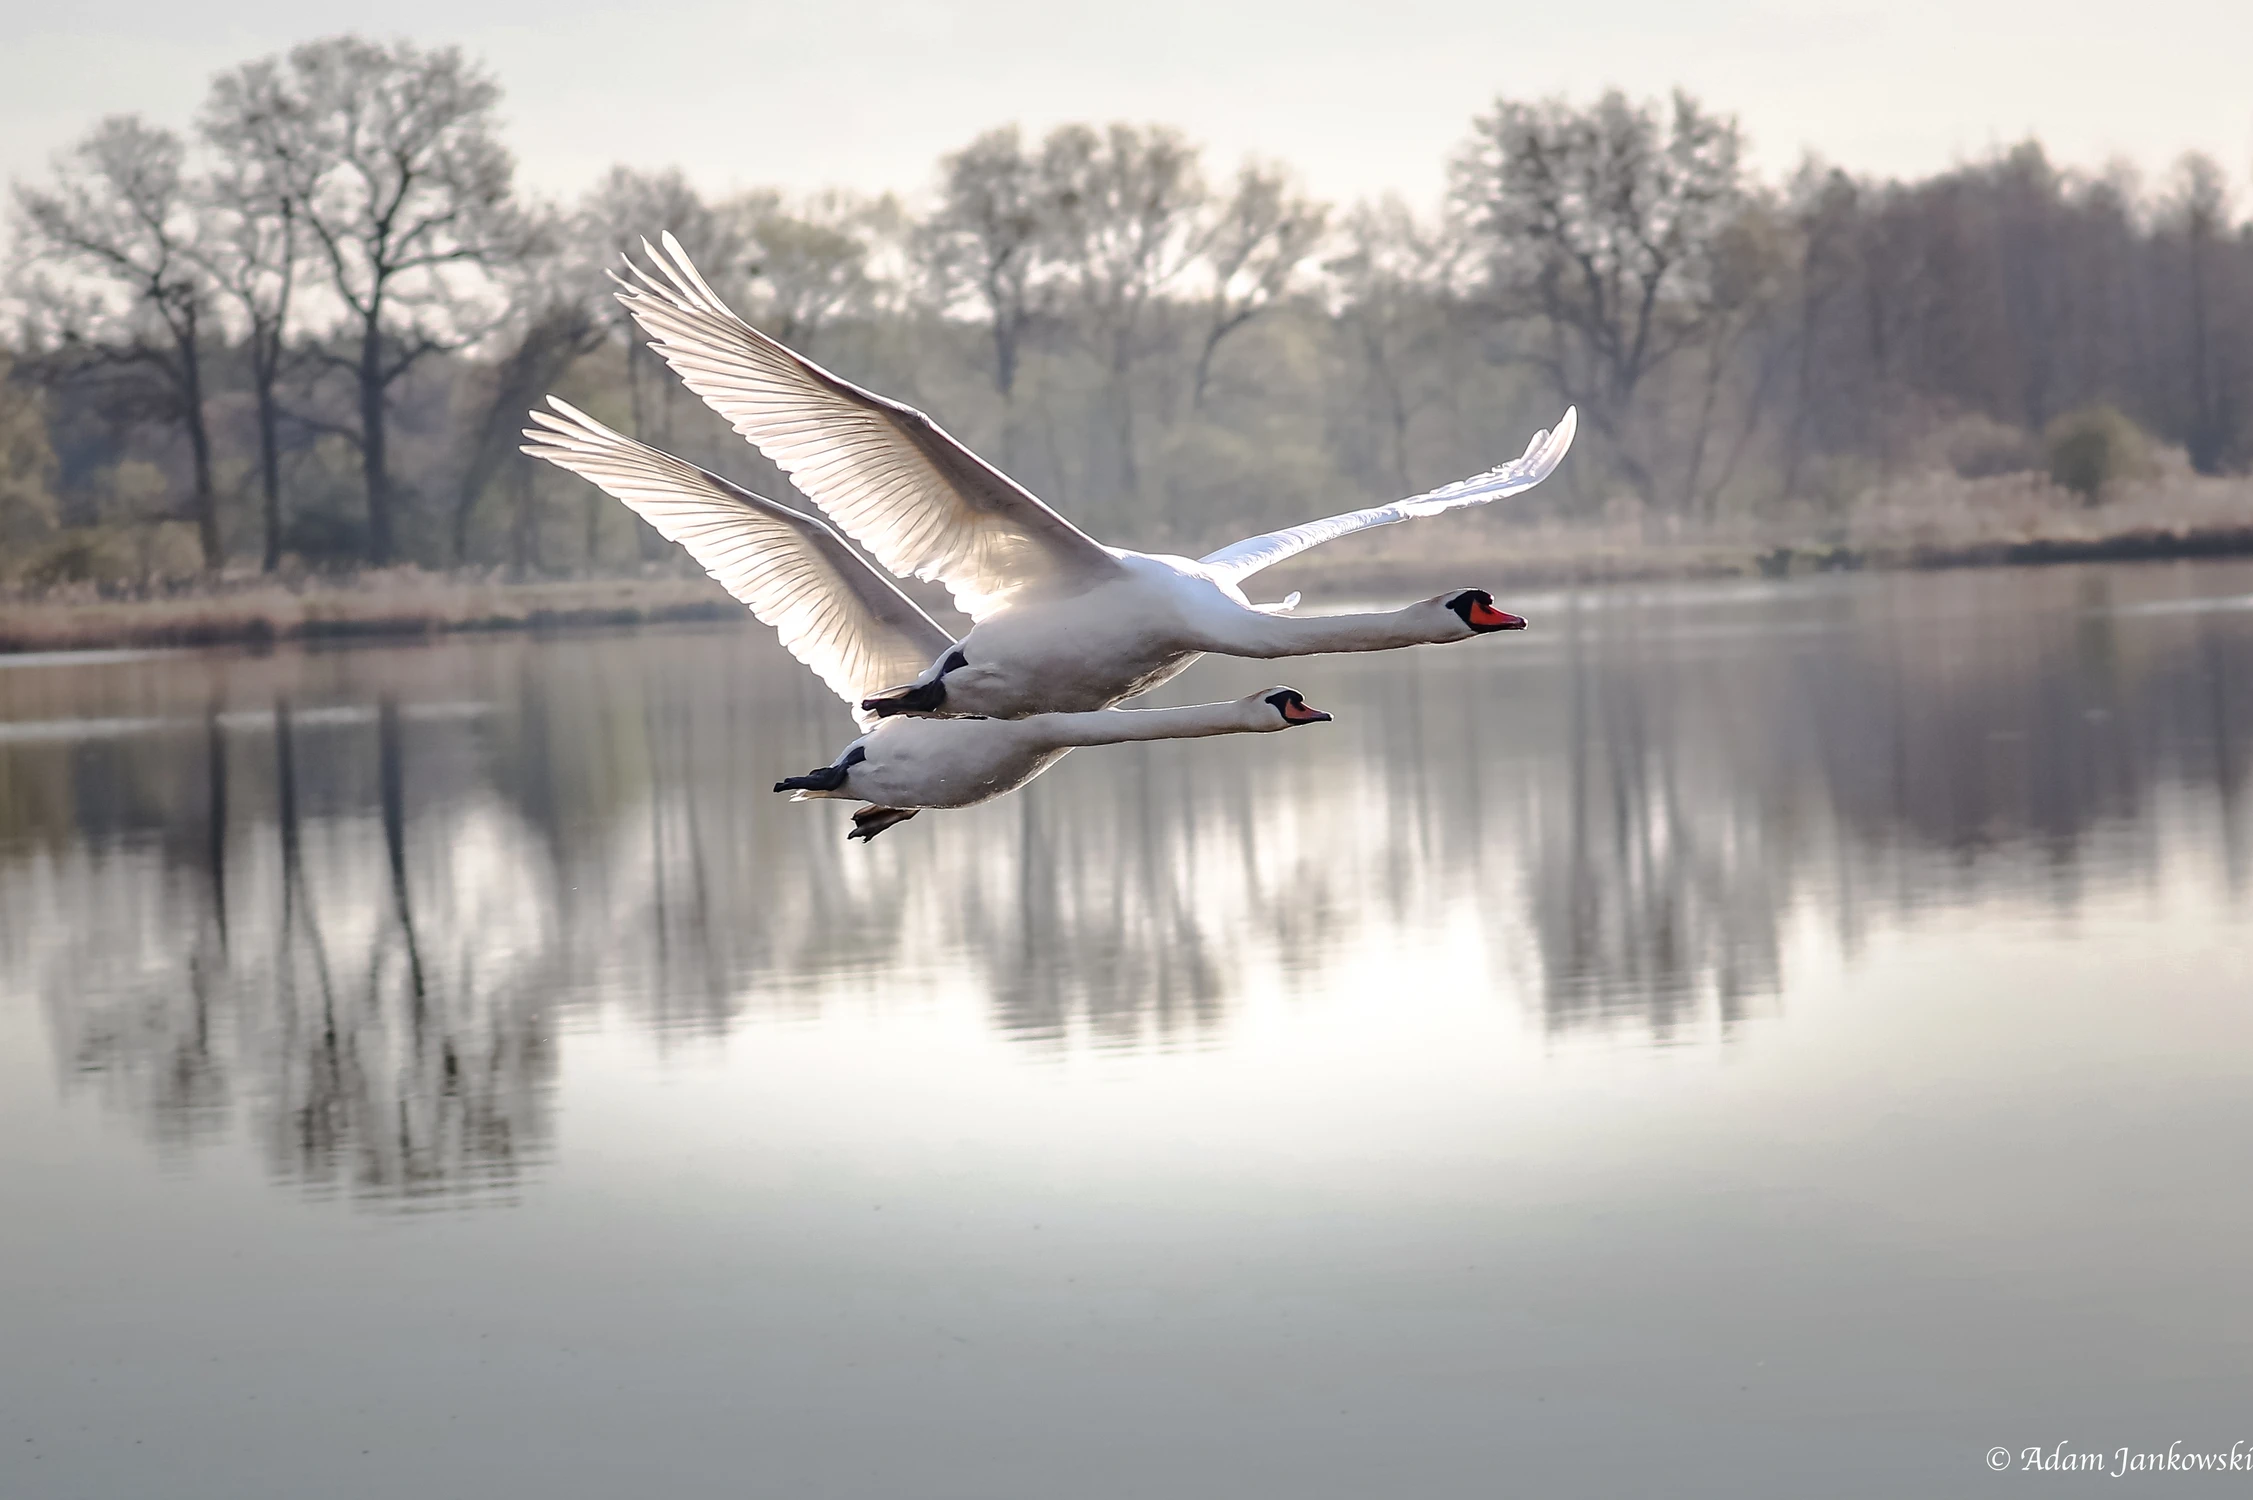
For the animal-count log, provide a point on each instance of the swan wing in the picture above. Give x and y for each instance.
(1542, 455)
(887, 474)
(834, 612)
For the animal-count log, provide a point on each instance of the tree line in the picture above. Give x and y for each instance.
(306, 328)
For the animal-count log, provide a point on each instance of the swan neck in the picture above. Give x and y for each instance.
(1314, 635)
(1117, 726)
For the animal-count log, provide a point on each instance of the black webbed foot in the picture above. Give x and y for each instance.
(871, 821)
(922, 698)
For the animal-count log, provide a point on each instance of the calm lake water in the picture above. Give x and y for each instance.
(1733, 1040)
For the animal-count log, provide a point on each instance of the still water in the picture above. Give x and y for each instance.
(1735, 1040)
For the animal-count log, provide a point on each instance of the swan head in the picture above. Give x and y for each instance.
(1285, 708)
(1475, 608)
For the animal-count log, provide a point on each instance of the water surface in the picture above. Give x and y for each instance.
(1737, 1040)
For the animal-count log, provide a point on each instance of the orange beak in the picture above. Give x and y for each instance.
(1487, 617)
(1299, 713)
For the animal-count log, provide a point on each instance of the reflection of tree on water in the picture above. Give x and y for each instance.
(280, 963)
(128, 1015)
(1885, 754)
(349, 897)
(2228, 738)
(386, 1072)
(1650, 896)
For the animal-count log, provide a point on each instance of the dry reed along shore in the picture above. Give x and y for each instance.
(1934, 523)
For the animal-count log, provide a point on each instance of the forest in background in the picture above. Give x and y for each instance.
(300, 332)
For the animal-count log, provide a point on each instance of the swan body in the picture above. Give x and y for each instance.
(906, 764)
(1061, 623)
(1128, 634)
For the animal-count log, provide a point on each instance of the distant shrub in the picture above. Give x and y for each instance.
(130, 492)
(161, 552)
(83, 554)
(326, 537)
(27, 463)
(1978, 447)
(1832, 484)
(2093, 449)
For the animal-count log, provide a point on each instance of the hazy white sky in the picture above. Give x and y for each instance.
(1361, 97)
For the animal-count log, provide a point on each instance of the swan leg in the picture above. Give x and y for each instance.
(922, 698)
(827, 778)
(917, 697)
(871, 821)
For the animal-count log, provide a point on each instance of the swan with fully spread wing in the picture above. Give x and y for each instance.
(1060, 622)
(858, 632)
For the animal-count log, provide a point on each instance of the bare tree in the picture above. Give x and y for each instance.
(2197, 212)
(1260, 236)
(354, 261)
(810, 259)
(251, 252)
(1124, 205)
(2010, 291)
(1603, 223)
(1396, 279)
(1824, 205)
(986, 241)
(121, 221)
(619, 212)
(406, 195)
(557, 331)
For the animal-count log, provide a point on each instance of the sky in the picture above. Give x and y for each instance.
(1361, 98)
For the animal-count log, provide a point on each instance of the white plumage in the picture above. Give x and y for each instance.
(925, 505)
(1061, 623)
(858, 633)
(907, 764)
(834, 612)
(1242, 559)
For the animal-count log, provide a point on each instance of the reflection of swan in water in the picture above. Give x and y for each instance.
(856, 629)
(1062, 623)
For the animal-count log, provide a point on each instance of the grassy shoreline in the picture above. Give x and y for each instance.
(405, 603)
(397, 604)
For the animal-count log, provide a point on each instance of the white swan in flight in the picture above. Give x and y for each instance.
(908, 763)
(858, 632)
(1061, 622)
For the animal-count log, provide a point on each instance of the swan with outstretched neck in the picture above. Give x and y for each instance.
(1061, 623)
(905, 764)
(854, 628)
